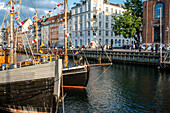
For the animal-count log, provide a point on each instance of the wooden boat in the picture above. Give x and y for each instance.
(74, 75)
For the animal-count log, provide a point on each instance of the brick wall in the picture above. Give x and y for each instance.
(148, 33)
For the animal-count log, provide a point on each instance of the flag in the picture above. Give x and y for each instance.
(12, 7)
(34, 17)
(13, 13)
(41, 46)
(22, 23)
(8, 3)
(65, 35)
(58, 5)
(41, 51)
(63, 23)
(64, 29)
(35, 40)
(54, 8)
(76, 53)
(61, 4)
(42, 16)
(50, 11)
(16, 18)
(81, 58)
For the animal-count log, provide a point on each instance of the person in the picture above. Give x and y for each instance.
(140, 48)
(130, 47)
(134, 46)
(156, 48)
(152, 46)
(108, 46)
(102, 47)
(105, 47)
(146, 47)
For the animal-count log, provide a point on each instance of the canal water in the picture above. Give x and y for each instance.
(117, 88)
(122, 88)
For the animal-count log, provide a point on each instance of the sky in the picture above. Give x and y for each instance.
(42, 6)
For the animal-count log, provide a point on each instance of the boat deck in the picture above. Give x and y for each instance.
(28, 73)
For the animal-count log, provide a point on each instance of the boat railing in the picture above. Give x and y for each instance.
(24, 63)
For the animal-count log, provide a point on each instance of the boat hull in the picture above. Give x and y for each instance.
(76, 76)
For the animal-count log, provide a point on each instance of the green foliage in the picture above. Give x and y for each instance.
(129, 24)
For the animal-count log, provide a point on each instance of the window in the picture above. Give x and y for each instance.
(94, 33)
(116, 11)
(106, 41)
(89, 6)
(88, 25)
(100, 15)
(111, 10)
(88, 33)
(94, 8)
(81, 42)
(76, 43)
(100, 33)
(81, 10)
(106, 25)
(107, 9)
(107, 18)
(119, 42)
(157, 10)
(89, 42)
(119, 11)
(100, 24)
(111, 33)
(89, 16)
(107, 33)
(75, 11)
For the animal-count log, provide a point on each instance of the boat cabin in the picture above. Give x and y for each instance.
(43, 57)
(4, 55)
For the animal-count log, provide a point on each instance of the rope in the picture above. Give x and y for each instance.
(99, 76)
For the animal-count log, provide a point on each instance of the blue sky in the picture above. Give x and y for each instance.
(42, 6)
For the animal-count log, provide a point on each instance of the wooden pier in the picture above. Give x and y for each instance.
(126, 56)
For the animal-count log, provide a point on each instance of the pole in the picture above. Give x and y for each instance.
(17, 34)
(160, 35)
(57, 80)
(36, 31)
(65, 34)
(147, 22)
(169, 24)
(12, 35)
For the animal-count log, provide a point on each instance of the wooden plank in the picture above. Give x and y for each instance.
(28, 73)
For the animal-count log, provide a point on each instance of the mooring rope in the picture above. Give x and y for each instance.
(99, 76)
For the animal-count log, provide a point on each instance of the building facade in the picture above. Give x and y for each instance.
(92, 20)
(52, 33)
(156, 21)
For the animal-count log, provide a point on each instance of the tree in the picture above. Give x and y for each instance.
(130, 23)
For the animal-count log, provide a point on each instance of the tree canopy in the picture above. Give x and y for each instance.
(130, 23)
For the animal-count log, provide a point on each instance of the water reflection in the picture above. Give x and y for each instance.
(124, 88)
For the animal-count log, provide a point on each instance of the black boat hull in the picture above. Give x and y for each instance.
(76, 76)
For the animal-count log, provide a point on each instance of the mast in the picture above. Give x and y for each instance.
(12, 34)
(15, 60)
(65, 34)
(36, 31)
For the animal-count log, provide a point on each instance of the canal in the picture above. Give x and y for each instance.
(117, 88)
(122, 88)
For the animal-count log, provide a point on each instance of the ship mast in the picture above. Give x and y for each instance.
(17, 33)
(65, 34)
(36, 31)
(11, 34)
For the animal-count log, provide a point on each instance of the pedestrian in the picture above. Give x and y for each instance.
(134, 46)
(156, 48)
(152, 46)
(140, 48)
(130, 47)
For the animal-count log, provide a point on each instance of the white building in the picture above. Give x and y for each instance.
(93, 20)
